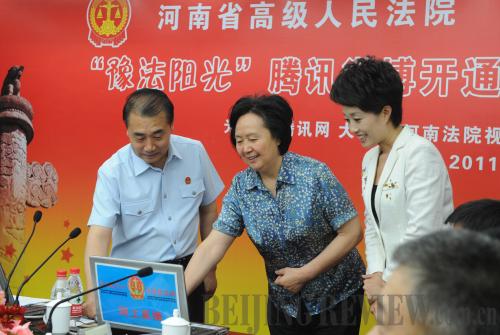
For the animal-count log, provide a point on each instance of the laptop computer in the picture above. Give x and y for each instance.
(33, 310)
(140, 304)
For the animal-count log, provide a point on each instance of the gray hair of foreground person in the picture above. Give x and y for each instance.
(457, 275)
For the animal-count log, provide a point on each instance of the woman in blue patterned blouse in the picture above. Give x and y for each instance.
(299, 218)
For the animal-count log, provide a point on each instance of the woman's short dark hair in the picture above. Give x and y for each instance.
(370, 84)
(273, 109)
(148, 102)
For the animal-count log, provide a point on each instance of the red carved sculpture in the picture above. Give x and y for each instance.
(21, 184)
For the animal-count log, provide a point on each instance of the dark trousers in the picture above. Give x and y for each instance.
(196, 303)
(343, 319)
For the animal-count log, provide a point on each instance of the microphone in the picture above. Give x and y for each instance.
(144, 272)
(36, 218)
(74, 233)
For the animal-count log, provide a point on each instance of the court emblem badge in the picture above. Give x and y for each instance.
(108, 21)
(136, 288)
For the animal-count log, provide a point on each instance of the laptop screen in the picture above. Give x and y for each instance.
(138, 304)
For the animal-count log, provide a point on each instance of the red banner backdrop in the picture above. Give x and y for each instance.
(82, 58)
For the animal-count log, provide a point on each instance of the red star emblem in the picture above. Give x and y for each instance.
(66, 223)
(66, 255)
(10, 250)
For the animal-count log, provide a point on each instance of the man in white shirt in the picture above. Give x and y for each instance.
(153, 195)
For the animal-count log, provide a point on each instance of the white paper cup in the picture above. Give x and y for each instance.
(60, 317)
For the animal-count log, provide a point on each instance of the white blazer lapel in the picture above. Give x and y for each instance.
(369, 174)
(370, 169)
(386, 172)
(389, 165)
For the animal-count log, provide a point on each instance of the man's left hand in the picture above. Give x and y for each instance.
(210, 284)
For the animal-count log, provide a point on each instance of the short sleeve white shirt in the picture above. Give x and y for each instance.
(154, 213)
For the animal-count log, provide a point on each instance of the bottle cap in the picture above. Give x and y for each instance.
(74, 271)
(61, 273)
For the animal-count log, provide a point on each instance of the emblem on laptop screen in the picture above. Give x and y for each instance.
(136, 288)
(108, 21)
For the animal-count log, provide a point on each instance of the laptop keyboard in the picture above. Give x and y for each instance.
(202, 329)
(34, 310)
(194, 331)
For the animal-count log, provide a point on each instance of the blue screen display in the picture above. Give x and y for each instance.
(139, 302)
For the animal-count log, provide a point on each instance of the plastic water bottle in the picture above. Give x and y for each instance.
(74, 287)
(60, 286)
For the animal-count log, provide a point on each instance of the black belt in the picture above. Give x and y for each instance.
(180, 261)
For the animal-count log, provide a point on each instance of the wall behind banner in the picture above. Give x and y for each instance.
(207, 54)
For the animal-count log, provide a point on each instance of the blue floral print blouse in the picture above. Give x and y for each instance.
(291, 229)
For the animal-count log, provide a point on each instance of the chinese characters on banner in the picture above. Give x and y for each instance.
(479, 77)
(468, 76)
(267, 15)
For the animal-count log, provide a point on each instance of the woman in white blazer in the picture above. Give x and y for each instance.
(405, 184)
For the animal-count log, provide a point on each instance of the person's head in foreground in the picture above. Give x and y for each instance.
(477, 215)
(260, 131)
(446, 283)
(370, 92)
